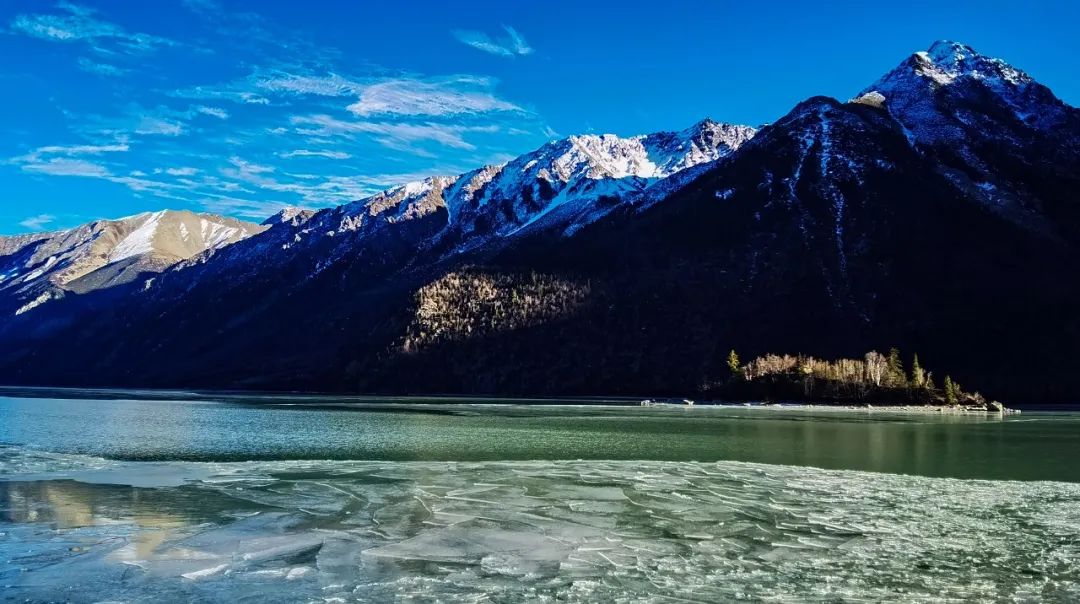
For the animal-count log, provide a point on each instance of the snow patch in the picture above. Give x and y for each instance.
(140, 241)
(49, 263)
(215, 234)
(36, 302)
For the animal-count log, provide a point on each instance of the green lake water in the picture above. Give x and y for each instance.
(285, 499)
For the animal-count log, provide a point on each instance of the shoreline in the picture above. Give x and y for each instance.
(314, 398)
(836, 408)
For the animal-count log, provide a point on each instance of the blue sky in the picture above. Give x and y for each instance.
(111, 108)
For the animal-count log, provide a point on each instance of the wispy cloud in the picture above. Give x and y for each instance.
(402, 96)
(244, 208)
(156, 125)
(39, 222)
(396, 135)
(64, 166)
(73, 23)
(77, 150)
(285, 103)
(233, 94)
(65, 160)
(509, 45)
(310, 153)
(329, 85)
(68, 160)
(185, 171)
(217, 112)
(245, 170)
(316, 190)
(457, 95)
(104, 69)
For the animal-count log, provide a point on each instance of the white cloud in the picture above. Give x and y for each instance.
(244, 208)
(510, 45)
(104, 69)
(185, 171)
(312, 190)
(76, 150)
(228, 93)
(457, 95)
(250, 167)
(389, 134)
(217, 112)
(331, 85)
(310, 153)
(64, 160)
(37, 223)
(79, 24)
(156, 125)
(248, 172)
(62, 166)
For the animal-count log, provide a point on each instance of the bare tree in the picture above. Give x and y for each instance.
(876, 364)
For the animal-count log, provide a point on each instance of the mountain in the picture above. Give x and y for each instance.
(35, 269)
(566, 183)
(936, 211)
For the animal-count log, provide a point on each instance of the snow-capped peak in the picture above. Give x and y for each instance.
(946, 63)
(924, 92)
(703, 142)
(566, 178)
(410, 200)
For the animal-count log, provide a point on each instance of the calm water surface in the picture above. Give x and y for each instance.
(1031, 446)
(269, 500)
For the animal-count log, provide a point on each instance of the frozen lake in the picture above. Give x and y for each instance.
(140, 500)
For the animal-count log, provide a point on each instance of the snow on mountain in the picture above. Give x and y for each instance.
(564, 184)
(913, 91)
(39, 267)
(970, 112)
(141, 240)
(566, 181)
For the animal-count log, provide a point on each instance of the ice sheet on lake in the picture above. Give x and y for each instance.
(545, 531)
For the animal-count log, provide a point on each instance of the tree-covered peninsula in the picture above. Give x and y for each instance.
(876, 379)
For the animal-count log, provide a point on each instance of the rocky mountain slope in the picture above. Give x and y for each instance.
(35, 269)
(936, 212)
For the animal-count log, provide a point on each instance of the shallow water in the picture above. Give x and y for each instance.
(102, 500)
(1032, 446)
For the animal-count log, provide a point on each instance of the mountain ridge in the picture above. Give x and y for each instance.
(932, 216)
(40, 267)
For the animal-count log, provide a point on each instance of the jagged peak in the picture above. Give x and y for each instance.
(945, 63)
(577, 169)
(289, 214)
(812, 105)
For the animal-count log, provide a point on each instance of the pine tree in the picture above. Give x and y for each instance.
(918, 376)
(950, 391)
(733, 363)
(897, 376)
